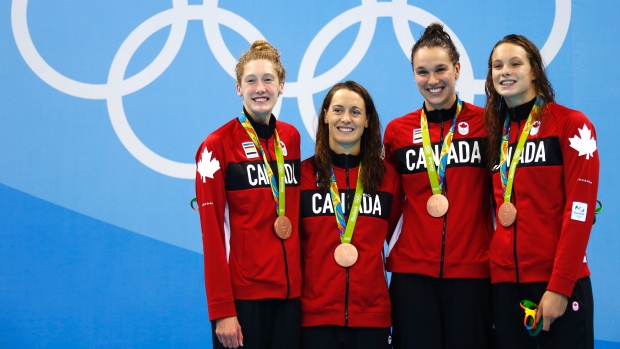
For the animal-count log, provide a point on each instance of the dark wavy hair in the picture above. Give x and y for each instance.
(493, 117)
(371, 147)
(435, 36)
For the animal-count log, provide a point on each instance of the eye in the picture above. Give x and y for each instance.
(440, 70)
(357, 112)
(249, 80)
(421, 72)
(337, 110)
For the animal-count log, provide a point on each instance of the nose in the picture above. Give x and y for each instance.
(432, 78)
(260, 87)
(505, 71)
(346, 117)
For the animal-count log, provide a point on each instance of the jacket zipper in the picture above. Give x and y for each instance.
(288, 282)
(514, 197)
(445, 192)
(346, 292)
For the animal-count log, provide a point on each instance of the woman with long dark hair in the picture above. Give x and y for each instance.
(545, 179)
(439, 259)
(349, 203)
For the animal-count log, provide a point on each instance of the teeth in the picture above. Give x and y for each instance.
(508, 82)
(345, 129)
(261, 99)
(434, 90)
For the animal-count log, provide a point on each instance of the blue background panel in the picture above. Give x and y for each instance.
(98, 245)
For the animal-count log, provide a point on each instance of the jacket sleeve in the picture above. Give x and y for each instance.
(397, 199)
(581, 175)
(213, 208)
(388, 146)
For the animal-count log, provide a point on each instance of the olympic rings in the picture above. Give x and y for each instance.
(212, 17)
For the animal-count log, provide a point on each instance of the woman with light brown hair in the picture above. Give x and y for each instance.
(248, 198)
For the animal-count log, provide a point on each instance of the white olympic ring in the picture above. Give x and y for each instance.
(212, 16)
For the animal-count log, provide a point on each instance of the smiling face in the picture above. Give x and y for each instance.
(346, 120)
(260, 89)
(435, 75)
(512, 73)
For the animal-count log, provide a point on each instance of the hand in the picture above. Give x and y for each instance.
(551, 306)
(228, 332)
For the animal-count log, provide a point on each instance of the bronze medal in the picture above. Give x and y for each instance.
(283, 227)
(507, 214)
(345, 255)
(437, 205)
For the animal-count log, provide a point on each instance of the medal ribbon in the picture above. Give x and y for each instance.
(277, 189)
(507, 175)
(346, 230)
(436, 176)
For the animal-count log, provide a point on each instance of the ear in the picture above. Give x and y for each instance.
(239, 93)
(457, 70)
(325, 117)
(366, 124)
(281, 88)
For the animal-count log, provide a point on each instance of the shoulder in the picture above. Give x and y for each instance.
(567, 119)
(402, 122)
(221, 135)
(307, 171)
(285, 128)
(473, 109)
(309, 162)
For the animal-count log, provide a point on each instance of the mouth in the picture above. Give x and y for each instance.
(345, 129)
(435, 90)
(260, 99)
(507, 82)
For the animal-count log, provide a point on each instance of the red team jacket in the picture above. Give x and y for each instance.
(243, 258)
(332, 295)
(457, 244)
(555, 188)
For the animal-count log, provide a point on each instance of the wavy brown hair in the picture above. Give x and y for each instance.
(371, 147)
(494, 119)
(260, 49)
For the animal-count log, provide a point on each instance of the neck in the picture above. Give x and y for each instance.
(518, 100)
(447, 105)
(346, 150)
(260, 119)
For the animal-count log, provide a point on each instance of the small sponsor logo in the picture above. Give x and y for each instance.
(575, 306)
(580, 211)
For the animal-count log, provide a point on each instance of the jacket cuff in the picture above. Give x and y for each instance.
(561, 285)
(222, 310)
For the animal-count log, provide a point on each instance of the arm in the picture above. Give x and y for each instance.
(212, 206)
(581, 172)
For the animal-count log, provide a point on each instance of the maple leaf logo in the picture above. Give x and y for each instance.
(584, 143)
(207, 167)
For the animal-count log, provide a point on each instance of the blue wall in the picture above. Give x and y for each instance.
(103, 105)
